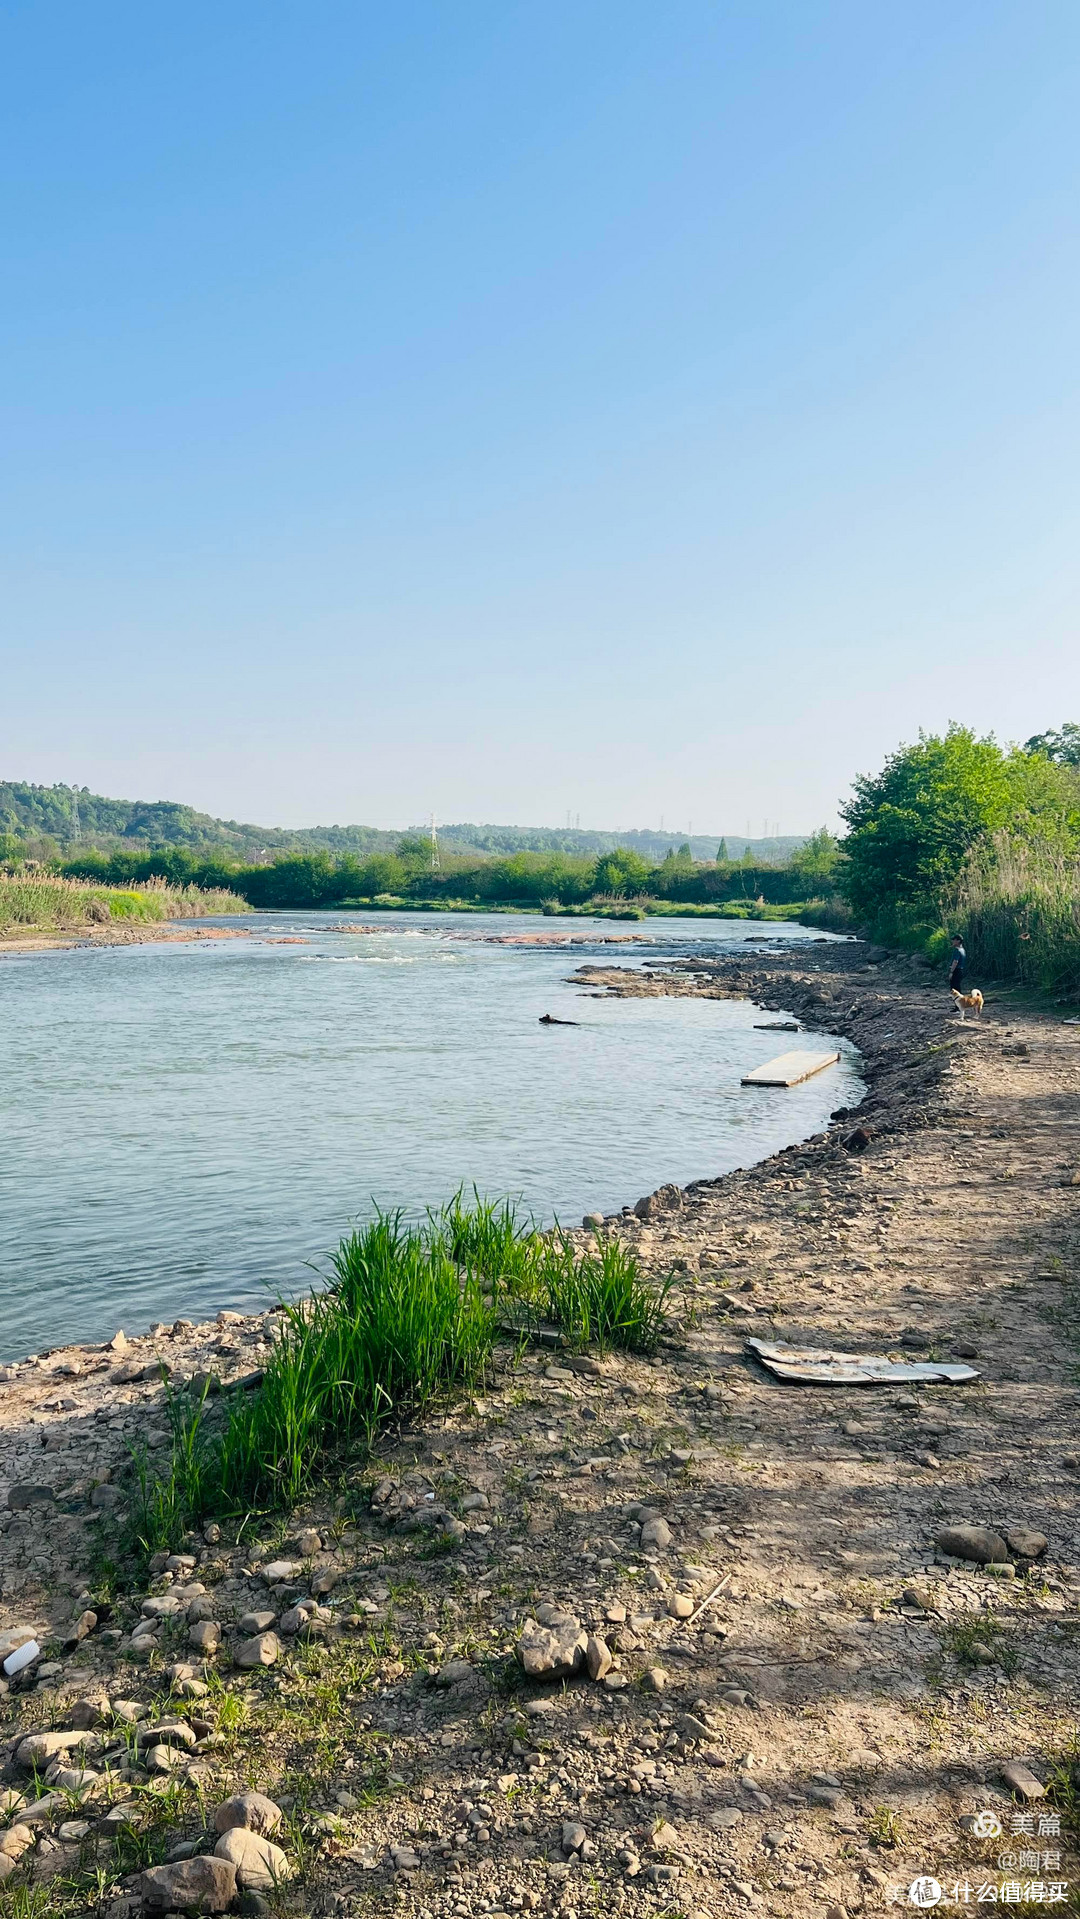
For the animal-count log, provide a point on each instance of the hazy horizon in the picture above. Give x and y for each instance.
(521, 410)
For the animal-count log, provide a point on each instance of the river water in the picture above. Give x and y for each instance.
(190, 1127)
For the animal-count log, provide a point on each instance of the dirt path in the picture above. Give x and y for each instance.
(818, 1734)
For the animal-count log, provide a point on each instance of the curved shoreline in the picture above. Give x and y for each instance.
(944, 1215)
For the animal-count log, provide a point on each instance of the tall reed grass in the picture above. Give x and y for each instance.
(409, 1316)
(1018, 907)
(47, 902)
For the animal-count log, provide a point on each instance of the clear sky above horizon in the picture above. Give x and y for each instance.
(511, 410)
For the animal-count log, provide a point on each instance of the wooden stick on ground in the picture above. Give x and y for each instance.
(708, 1602)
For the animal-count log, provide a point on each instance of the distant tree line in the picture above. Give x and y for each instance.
(520, 879)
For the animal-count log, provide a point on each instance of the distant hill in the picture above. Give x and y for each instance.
(73, 816)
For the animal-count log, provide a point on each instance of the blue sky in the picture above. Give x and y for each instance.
(510, 409)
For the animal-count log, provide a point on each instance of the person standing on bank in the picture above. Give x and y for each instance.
(959, 965)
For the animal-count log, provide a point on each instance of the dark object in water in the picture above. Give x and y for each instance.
(548, 1019)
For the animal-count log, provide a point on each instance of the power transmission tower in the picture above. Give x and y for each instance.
(76, 824)
(434, 847)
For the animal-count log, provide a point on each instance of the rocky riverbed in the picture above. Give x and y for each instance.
(661, 1636)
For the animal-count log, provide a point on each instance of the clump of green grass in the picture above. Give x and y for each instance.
(409, 1316)
(50, 903)
(885, 1827)
(599, 1299)
(980, 1641)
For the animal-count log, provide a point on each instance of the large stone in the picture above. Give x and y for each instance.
(22, 1497)
(15, 1841)
(80, 1629)
(1027, 1544)
(74, 1779)
(106, 1498)
(259, 1864)
(189, 1885)
(257, 1622)
(455, 1672)
(85, 1714)
(597, 1657)
(552, 1651)
(655, 1531)
(41, 1812)
(1020, 1778)
(163, 1605)
(972, 1542)
(294, 1620)
(280, 1570)
(250, 1810)
(16, 1636)
(260, 1651)
(41, 1748)
(205, 1635)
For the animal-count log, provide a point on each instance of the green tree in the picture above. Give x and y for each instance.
(817, 856)
(1063, 746)
(620, 872)
(380, 873)
(414, 850)
(913, 824)
(721, 853)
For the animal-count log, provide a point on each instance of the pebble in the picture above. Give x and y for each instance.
(654, 1679)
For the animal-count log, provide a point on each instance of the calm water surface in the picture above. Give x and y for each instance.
(184, 1127)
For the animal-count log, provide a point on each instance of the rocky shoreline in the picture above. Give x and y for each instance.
(783, 1688)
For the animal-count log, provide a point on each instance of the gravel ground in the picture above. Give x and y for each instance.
(801, 1702)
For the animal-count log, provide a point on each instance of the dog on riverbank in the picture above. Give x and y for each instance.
(964, 1000)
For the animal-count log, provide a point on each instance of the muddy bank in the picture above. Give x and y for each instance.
(830, 1724)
